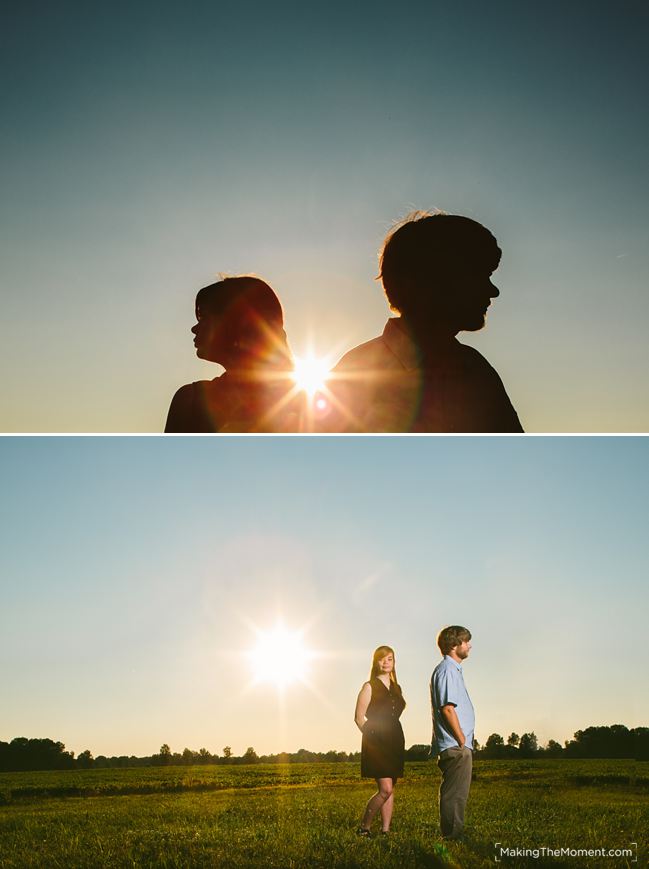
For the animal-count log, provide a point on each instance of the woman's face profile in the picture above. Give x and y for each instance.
(209, 337)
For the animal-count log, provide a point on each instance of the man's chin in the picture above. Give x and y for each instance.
(475, 324)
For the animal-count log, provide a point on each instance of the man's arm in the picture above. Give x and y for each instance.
(453, 723)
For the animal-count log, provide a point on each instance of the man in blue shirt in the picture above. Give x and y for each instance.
(453, 726)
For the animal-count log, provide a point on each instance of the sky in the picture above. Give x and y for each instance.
(138, 572)
(149, 147)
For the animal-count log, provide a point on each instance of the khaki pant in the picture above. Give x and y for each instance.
(456, 765)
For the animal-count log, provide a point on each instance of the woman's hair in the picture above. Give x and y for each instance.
(252, 314)
(378, 655)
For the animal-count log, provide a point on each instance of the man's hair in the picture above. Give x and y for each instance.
(450, 637)
(424, 246)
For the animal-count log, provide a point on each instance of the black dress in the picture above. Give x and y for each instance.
(382, 747)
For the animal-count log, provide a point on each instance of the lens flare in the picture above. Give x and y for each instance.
(280, 656)
(311, 373)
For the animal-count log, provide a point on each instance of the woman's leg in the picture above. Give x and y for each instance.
(377, 801)
(386, 810)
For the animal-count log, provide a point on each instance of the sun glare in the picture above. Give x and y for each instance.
(310, 373)
(280, 657)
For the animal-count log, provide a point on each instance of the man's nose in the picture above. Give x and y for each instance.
(494, 292)
(194, 329)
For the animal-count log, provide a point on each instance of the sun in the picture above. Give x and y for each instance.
(280, 656)
(310, 373)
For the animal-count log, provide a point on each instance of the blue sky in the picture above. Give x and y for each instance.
(148, 147)
(134, 569)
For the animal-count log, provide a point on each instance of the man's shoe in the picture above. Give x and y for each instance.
(365, 834)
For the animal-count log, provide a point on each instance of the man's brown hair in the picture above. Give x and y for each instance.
(450, 637)
(422, 248)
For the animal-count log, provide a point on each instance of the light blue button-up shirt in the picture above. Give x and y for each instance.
(447, 687)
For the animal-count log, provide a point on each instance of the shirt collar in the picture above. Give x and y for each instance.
(454, 662)
(400, 343)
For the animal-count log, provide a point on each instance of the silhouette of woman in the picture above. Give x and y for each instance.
(240, 325)
(378, 708)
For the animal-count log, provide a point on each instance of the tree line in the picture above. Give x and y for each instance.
(614, 741)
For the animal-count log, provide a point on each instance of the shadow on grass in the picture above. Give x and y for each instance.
(624, 781)
(35, 793)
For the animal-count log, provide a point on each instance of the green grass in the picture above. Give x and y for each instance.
(304, 815)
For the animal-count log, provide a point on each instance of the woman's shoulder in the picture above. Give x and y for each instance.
(180, 409)
(189, 391)
(186, 408)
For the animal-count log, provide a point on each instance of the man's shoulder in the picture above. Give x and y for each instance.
(447, 667)
(392, 350)
(364, 355)
(488, 383)
(477, 367)
(444, 665)
(473, 358)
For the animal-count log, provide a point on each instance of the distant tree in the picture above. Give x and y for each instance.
(553, 749)
(303, 755)
(613, 741)
(27, 754)
(494, 746)
(640, 736)
(227, 752)
(528, 745)
(418, 752)
(331, 756)
(513, 739)
(188, 756)
(250, 756)
(204, 756)
(165, 755)
(85, 760)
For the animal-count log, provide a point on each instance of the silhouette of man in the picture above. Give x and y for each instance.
(436, 271)
(453, 725)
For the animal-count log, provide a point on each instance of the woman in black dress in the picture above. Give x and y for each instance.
(379, 705)
(239, 326)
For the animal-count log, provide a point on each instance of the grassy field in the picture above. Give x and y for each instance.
(304, 815)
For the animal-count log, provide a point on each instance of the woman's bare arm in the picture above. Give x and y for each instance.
(364, 697)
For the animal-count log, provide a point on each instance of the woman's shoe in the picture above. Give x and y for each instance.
(364, 833)
(386, 832)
